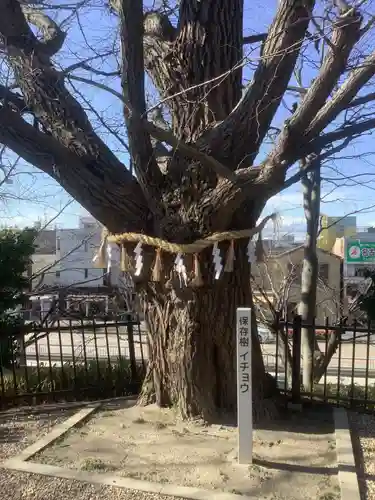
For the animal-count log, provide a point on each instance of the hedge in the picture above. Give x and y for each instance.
(70, 382)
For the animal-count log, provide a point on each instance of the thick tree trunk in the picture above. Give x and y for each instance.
(192, 344)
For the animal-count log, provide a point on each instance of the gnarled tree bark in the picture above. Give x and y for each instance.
(195, 372)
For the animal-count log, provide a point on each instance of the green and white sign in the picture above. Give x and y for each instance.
(360, 252)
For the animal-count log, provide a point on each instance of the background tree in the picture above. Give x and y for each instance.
(16, 249)
(365, 300)
(197, 173)
(276, 287)
(311, 183)
(271, 288)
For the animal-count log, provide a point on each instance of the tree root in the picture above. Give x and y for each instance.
(147, 395)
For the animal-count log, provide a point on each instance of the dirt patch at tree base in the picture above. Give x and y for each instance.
(293, 459)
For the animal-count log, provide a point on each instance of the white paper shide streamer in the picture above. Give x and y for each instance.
(113, 263)
(109, 256)
(251, 251)
(217, 260)
(181, 269)
(138, 259)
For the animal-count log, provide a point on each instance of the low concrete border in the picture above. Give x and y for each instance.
(56, 432)
(21, 463)
(121, 482)
(67, 405)
(347, 473)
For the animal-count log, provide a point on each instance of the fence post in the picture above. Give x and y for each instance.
(296, 360)
(133, 362)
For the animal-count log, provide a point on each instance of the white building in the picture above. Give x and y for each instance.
(43, 261)
(43, 271)
(75, 249)
(64, 258)
(63, 269)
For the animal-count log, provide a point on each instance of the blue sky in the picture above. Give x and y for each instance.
(32, 195)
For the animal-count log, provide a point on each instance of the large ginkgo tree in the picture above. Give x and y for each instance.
(199, 172)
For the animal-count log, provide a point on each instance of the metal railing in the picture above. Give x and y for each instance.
(343, 368)
(72, 360)
(96, 359)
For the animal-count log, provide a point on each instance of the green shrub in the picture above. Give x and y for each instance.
(9, 347)
(346, 393)
(16, 249)
(95, 380)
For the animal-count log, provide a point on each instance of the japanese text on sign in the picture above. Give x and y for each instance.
(243, 351)
(244, 386)
(360, 252)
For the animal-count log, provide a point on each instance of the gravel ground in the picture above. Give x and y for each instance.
(18, 429)
(153, 444)
(19, 485)
(363, 437)
(22, 426)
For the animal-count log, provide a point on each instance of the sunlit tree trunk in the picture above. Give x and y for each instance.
(193, 345)
(310, 270)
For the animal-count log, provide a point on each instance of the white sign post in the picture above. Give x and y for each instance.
(244, 387)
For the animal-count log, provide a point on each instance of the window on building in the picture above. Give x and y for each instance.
(57, 274)
(86, 273)
(324, 272)
(58, 243)
(363, 271)
(350, 270)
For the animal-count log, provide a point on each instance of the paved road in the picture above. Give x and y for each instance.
(346, 356)
(362, 368)
(102, 343)
(112, 342)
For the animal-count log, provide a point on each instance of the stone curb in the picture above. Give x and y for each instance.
(69, 405)
(56, 432)
(172, 490)
(347, 473)
(20, 463)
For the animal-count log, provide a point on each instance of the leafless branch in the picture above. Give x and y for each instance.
(249, 39)
(53, 36)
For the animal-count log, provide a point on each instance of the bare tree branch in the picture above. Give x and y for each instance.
(53, 36)
(143, 160)
(345, 34)
(252, 117)
(362, 100)
(348, 90)
(190, 151)
(46, 153)
(172, 62)
(249, 39)
(348, 131)
(64, 120)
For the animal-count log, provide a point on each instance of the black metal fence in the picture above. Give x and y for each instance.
(72, 360)
(95, 359)
(343, 371)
